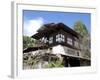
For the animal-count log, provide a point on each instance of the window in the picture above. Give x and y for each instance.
(50, 40)
(44, 40)
(69, 41)
(76, 44)
(60, 38)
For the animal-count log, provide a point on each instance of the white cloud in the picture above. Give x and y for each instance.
(31, 26)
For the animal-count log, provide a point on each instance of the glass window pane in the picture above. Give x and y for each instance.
(69, 41)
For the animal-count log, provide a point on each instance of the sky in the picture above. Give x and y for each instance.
(33, 19)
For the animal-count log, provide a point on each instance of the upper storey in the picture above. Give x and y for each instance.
(54, 34)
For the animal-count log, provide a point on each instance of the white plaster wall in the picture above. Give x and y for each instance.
(58, 50)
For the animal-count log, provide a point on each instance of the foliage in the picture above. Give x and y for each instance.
(28, 42)
(80, 28)
(57, 63)
(33, 60)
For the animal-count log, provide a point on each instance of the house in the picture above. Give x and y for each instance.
(63, 42)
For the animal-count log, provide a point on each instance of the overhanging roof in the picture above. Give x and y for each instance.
(50, 28)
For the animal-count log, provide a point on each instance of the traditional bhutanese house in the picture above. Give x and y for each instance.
(62, 40)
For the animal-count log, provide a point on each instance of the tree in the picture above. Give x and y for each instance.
(28, 42)
(80, 28)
